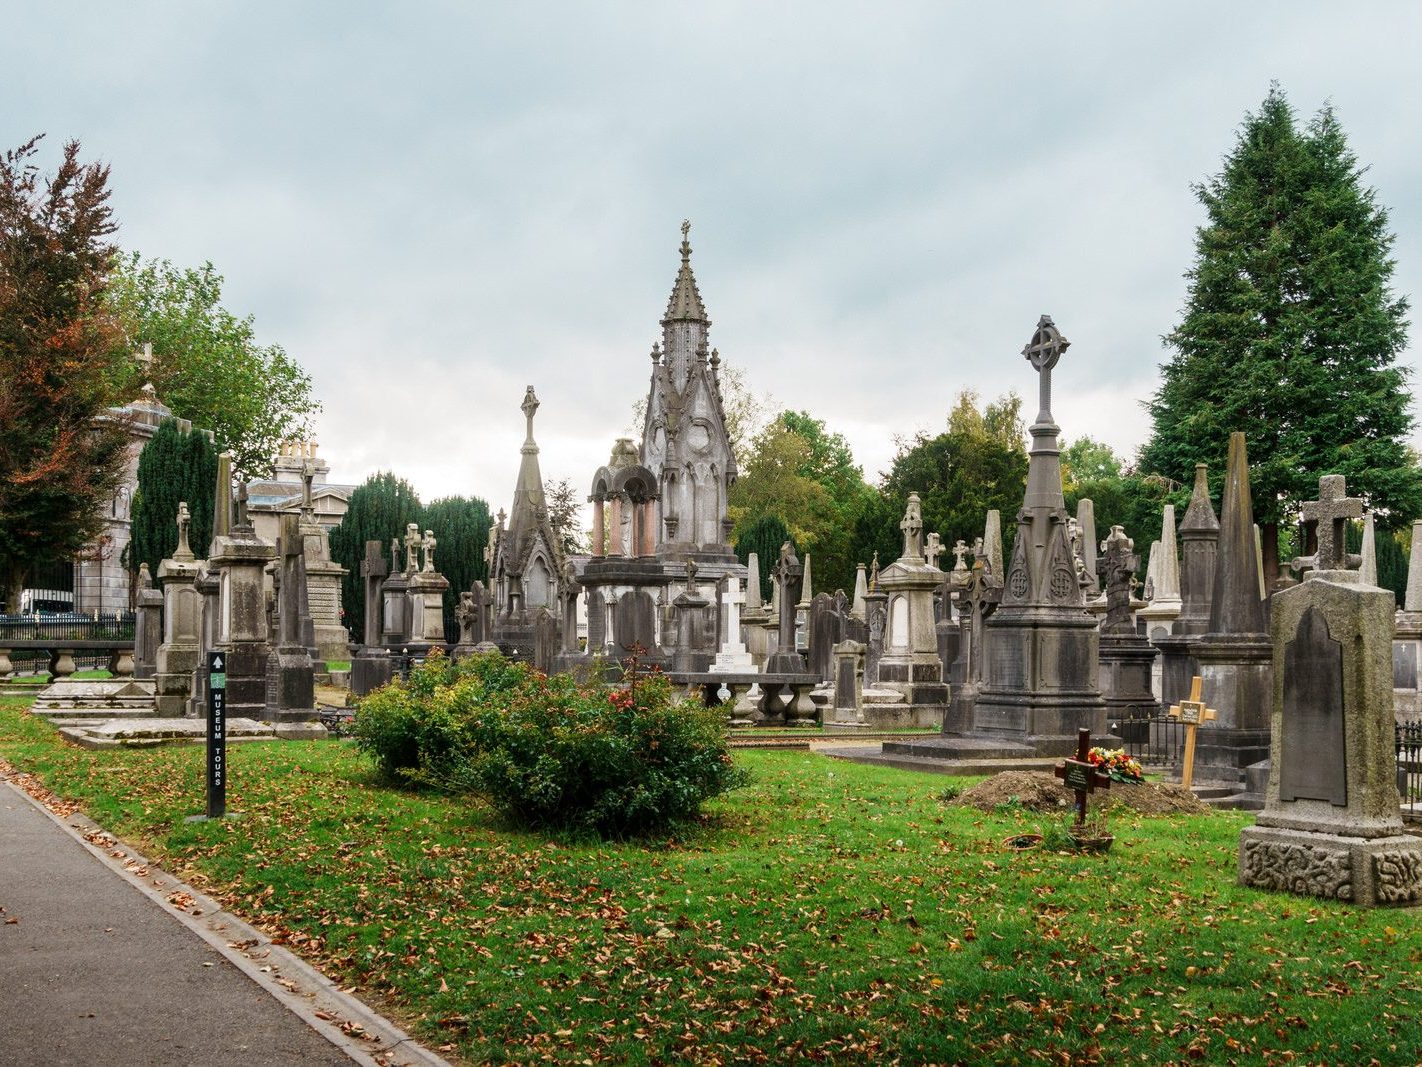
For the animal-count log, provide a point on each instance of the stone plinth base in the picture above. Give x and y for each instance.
(1125, 677)
(921, 682)
(1382, 871)
(291, 686)
(1223, 755)
(883, 716)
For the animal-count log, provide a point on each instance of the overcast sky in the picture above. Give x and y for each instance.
(432, 206)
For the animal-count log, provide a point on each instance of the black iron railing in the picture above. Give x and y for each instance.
(1154, 740)
(1409, 767)
(59, 628)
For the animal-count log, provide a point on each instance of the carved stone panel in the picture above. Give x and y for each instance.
(1311, 757)
(635, 621)
(1404, 665)
(1397, 877)
(1289, 868)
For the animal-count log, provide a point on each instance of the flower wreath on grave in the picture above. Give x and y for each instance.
(1116, 765)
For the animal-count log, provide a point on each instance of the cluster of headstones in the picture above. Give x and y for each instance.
(222, 603)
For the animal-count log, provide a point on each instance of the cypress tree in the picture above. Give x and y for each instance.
(1291, 331)
(461, 526)
(174, 466)
(764, 537)
(380, 508)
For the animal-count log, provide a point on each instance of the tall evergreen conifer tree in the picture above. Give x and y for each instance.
(1290, 331)
(461, 526)
(175, 466)
(380, 508)
(764, 537)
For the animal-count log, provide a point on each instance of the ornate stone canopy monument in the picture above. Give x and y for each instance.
(660, 502)
(1330, 825)
(1040, 682)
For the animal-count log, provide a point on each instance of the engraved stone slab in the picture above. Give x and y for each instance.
(1312, 758)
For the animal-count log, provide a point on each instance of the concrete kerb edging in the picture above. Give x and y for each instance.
(352, 1026)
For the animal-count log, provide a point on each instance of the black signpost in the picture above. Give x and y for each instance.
(216, 735)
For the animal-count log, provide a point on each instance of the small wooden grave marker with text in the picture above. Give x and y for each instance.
(1192, 713)
(1081, 775)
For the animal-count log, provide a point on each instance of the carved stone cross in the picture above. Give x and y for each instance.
(1043, 351)
(1192, 713)
(184, 518)
(1330, 514)
(412, 547)
(374, 565)
(394, 555)
(429, 544)
(912, 526)
(960, 552)
(934, 549)
(145, 357)
(1119, 562)
(1080, 774)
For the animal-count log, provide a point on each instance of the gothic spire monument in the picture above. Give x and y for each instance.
(663, 502)
(684, 440)
(1040, 679)
(526, 559)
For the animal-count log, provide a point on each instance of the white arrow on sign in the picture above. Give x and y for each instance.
(217, 662)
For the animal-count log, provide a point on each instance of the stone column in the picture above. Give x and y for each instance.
(177, 656)
(614, 545)
(599, 530)
(649, 527)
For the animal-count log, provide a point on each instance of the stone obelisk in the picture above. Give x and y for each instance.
(1235, 656)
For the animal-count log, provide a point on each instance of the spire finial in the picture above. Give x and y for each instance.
(530, 408)
(685, 243)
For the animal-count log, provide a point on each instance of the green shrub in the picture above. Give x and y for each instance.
(550, 752)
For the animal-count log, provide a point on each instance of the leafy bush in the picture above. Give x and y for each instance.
(550, 751)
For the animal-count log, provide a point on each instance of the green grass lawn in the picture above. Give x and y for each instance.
(828, 910)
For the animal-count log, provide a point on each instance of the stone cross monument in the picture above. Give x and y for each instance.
(1042, 685)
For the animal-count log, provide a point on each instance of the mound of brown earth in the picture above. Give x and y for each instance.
(1038, 791)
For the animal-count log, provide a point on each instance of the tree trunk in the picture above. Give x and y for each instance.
(13, 576)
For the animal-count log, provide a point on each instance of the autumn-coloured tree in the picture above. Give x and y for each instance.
(60, 465)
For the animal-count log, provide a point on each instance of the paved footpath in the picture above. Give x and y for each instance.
(107, 960)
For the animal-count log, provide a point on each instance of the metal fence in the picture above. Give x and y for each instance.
(66, 626)
(1409, 767)
(1155, 740)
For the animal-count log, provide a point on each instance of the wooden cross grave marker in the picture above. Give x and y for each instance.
(1191, 712)
(1081, 775)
